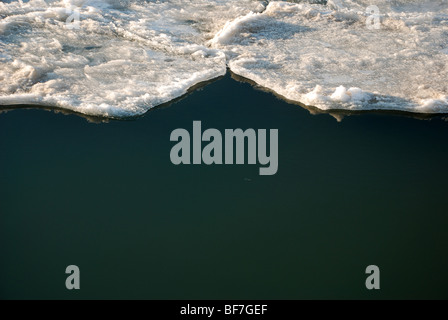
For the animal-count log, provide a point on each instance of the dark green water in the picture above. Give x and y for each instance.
(371, 189)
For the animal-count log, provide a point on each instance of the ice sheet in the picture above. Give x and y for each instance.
(130, 55)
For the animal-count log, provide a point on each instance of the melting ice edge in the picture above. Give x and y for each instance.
(128, 56)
